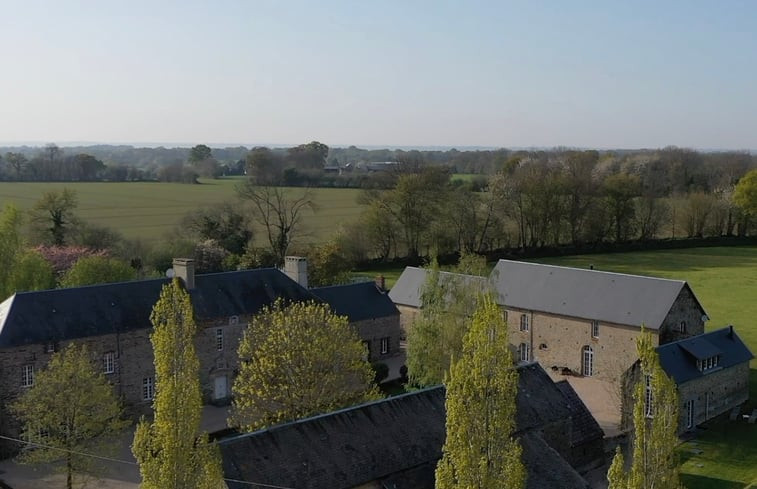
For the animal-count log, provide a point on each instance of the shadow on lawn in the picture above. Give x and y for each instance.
(691, 481)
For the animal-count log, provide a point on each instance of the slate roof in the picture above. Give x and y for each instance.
(358, 301)
(409, 286)
(679, 358)
(63, 314)
(396, 440)
(590, 294)
(584, 427)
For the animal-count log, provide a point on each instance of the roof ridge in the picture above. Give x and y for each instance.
(89, 286)
(650, 277)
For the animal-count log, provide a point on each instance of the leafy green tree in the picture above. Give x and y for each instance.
(70, 409)
(171, 451)
(616, 476)
(327, 265)
(199, 153)
(480, 451)
(436, 335)
(53, 215)
(31, 272)
(620, 191)
(20, 269)
(655, 419)
(224, 223)
(297, 360)
(17, 161)
(91, 270)
(745, 193)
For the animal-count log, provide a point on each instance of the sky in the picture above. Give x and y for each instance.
(604, 74)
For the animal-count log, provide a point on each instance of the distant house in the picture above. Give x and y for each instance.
(711, 372)
(396, 442)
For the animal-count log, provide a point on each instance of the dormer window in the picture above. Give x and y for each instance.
(708, 363)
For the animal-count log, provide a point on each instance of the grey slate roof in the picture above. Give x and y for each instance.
(63, 314)
(396, 440)
(680, 363)
(358, 301)
(590, 294)
(409, 286)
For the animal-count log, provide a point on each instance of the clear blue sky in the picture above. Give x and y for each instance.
(468, 73)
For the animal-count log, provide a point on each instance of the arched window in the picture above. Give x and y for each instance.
(588, 361)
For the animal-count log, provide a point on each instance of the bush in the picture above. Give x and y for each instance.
(381, 371)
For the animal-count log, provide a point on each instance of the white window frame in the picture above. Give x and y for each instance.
(648, 397)
(524, 322)
(504, 314)
(689, 408)
(587, 363)
(148, 388)
(524, 352)
(219, 339)
(27, 375)
(595, 329)
(385, 345)
(109, 362)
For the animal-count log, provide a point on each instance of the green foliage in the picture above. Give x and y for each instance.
(655, 461)
(616, 476)
(327, 265)
(479, 451)
(199, 153)
(298, 360)
(224, 223)
(20, 269)
(31, 272)
(70, 408)
(91, 270)
(745, 193)
(436, 336)
(171, 451)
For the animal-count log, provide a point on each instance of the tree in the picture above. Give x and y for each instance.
(20, 269)
(224, 223)
(279, 211)
(17, 161)
(56, 210)
(70, 409)
(655, 419)
(298, 360)
(264, 167)
(480, 450)
(436, 336)
(171, 451)
(620, 190)
(90, 270)
(745, 193)
(327, 265)
(31, 272)
(200, 153)
(616, 476)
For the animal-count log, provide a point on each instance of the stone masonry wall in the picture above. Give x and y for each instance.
(684, 309)
(373, 330)
(714, 393)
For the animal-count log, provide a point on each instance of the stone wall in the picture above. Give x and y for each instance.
(372, 331)
(685, 309)
(714, 393)
(407, 316)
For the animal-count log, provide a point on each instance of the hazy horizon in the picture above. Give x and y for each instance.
(425, 74)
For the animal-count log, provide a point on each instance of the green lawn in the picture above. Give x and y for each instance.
(151, 210)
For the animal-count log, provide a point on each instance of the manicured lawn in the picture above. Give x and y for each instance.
(152, 210)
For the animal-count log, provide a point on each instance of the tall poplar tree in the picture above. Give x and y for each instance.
(298, 360)
(171, 451)
(480, 451)
(655, 418)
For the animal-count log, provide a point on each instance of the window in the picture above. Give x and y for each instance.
(708, 363)
(524, 352)
(648, 399)
(504, 314)
(109, 362)
(524, 322)
(682, 326)
(385, 345)
(27, 375)
(595, 329)
(148, 388)
(690, 413)
(219, 339)
(233, 320)
(588, 361)
(50, 347)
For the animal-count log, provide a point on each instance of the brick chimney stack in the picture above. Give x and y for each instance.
(296, 268)
(184, 268)
(381, 283)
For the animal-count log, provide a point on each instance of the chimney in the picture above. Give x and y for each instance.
(184, 268)
(381, 283)
(296, 268)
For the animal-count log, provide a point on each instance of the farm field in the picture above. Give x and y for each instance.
(151, 210)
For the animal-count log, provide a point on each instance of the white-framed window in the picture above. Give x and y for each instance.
(524, 322)
(690, 413)
(524, 352)
(504, 314)
(385, 345)
(148, 388)
(648, 398)
(682, 326)
(27, 375)
(708, 363)
(595, 329)
(109, 362)
(219, 339)
(588, 361)
(50, 347)
(233, 320)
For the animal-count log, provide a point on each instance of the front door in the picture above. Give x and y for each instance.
(219, 388)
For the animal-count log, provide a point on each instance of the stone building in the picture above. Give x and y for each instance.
(113, 320)
(711, 372)
(397, 442)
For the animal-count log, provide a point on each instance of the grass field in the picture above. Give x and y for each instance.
(151, 210)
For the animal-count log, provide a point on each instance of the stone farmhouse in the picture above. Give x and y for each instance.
(397, 442)
(579, 322)
(113, 320)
